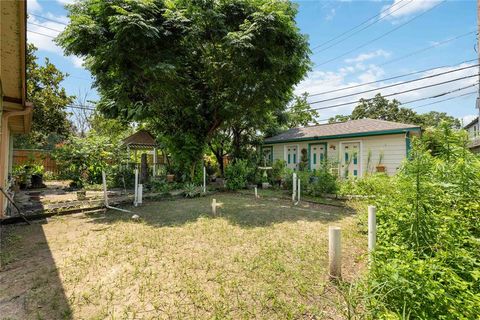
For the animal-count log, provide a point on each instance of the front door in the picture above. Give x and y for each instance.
(351, 159)
(292, 157)
(318, 154)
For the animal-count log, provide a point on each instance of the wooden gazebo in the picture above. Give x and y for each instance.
(142, 140)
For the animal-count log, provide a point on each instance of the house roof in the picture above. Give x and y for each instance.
(471, 123)
(352, 128)
(141, 139)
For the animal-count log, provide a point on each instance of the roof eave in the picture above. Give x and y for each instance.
(346, 135)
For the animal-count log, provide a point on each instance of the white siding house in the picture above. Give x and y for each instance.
(354, 148)
(473, 129)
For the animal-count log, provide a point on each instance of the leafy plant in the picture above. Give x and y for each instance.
(191, 190)
(236, 174)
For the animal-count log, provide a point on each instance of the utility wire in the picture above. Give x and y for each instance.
(42, 34)
(41, 26)
(427, 48)
(381, 36)
(355, 27)
(431, 103)
(394, 94)
(441, 94)
(391, 78)
(367, 26)
(447, 99)
(398, 84)
(45, 18)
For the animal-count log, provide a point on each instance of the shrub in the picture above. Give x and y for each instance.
(191, 190)
(322, 181)
(236, 175)
(427, 260)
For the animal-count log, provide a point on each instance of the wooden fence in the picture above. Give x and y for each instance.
(43, 157)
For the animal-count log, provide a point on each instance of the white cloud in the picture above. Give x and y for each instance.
(321, 81)
(468, 118)
(43, 33)
(368, 56)
(399, 9)
(64, 2)
(330, 15)
(33, 6)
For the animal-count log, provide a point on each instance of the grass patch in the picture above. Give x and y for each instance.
(257, 259)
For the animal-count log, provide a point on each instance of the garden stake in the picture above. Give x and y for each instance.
(136, 188)
(204, 179)
(334, 253)
(256, 193)
(294, 187)
(214, 207)
(372, 229)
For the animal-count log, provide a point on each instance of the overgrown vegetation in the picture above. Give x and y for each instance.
(427, 261)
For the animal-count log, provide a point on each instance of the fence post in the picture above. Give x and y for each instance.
(214, 207)
(334, 252)
(372, 228)
(256, 193)
(294, 186)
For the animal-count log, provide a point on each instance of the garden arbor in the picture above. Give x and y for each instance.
(144, 143)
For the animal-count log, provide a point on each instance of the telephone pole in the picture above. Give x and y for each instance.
(478, 53)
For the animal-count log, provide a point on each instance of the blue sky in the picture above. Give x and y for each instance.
(435, 23)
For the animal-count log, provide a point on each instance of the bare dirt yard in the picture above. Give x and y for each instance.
(257, 259)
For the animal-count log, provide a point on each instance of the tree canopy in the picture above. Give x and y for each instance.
(187, 67)
(50, 122)
(381, 108)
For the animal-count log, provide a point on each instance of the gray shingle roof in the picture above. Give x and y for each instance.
(350, 128)
(474, 121)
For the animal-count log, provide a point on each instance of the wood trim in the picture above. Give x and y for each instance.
(13, 100)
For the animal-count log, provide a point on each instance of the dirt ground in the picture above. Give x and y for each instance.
(261, 259)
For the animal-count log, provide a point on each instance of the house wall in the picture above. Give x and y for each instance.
(393, 147)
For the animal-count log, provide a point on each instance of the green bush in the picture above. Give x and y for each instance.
(322, 181)
(236, 175)
(427, 261)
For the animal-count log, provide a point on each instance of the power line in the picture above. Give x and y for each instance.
(441, 94)
(394, 94)
(359, 25)
(367, 26)
(434, 102)
(391, 78)
(381, 36)
(42, 34)
(82, 107)
(398, 84)
(447, 99)
(427, 48)
(41, 26)
(45, 18)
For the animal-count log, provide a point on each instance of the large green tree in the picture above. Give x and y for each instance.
(50, 122)
(188, 66)
(390, 110)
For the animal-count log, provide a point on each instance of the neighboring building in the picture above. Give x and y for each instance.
(355, 147)
(15, 111)
(473, 129)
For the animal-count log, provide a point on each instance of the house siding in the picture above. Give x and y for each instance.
(393, 146)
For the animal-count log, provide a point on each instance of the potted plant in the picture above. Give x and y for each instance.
(265, 184)
(36, 179)
(380, 167)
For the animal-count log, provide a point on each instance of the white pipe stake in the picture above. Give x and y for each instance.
(298, 188)
(140, 194)
(104, 181)
(214, 207)
(136, 188)
(154, 162)
(204, 179)
(294, 186)
(372, 228)
(334, 252)
(256, 193)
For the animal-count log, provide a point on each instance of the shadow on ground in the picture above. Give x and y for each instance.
(239, 209)
(30, 286)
